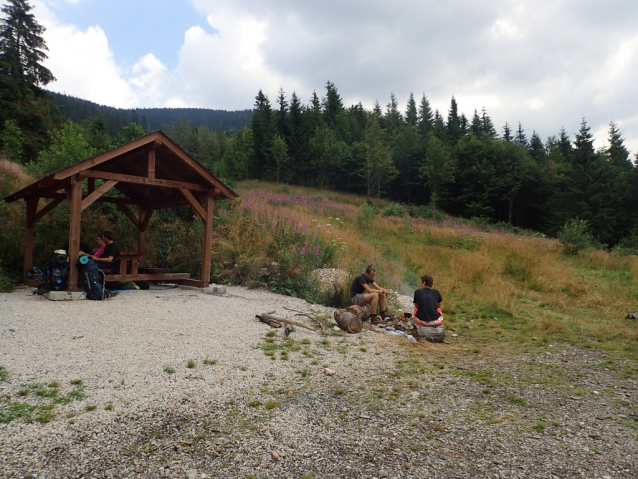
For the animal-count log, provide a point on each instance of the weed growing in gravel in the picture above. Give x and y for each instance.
(4, 374)
(43, 400)
(169, 370)
(76, 382)
(271, 404)
(108, 407)
(210, 362)
(91, 407)
(191, 364)
(254, 403)
(304, 372)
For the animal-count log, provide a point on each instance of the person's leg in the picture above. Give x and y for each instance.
(374, 300)
(382, 303)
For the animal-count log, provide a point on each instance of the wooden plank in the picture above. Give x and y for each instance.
(144, 220)
(167, 277)
(106, 156)
(196, 283)
(92, 197)
(75, 207)
(52, 204)
(194, 203)
(203, 172)
(103, 199)
(143, 180)
(207, 245)
(131, 216)
(32, 206)
(151, 163)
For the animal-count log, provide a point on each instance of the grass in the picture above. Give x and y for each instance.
(514, 286)
(209, 362)
(191, 364)
(169, 370)
(38, 402)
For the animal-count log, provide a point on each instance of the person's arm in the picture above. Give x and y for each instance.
(380, 289)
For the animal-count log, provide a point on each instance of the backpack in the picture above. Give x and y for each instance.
(92, 278)
(53, 274)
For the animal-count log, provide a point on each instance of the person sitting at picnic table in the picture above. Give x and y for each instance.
(427, 311)
(364, 290)
(97, 252)
(107, 256)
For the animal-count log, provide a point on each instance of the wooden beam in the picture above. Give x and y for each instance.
(208, 239)
(151, 163)
(52, 204)
(167, 277)
(75, 207)
(131, 216)
(106, 156)
(92, 197)
(32, 206)
(143, 180)
(144, 220)
(103, 199)
(194, 203)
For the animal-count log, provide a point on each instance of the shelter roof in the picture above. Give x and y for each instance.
(150, 171)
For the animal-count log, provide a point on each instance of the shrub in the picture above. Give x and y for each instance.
(629, 244)
(575, 236)
(395, 209)
(429, 213)
(366, 215)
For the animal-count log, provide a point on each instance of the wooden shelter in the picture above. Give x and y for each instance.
(150, 173)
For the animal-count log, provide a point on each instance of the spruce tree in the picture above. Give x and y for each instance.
(426, 118)
(21, 77)
(507, 133)
(454, 132)
(411, 114)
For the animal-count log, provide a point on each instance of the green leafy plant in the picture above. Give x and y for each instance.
(575, 236)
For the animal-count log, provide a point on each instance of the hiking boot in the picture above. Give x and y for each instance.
(374, 319)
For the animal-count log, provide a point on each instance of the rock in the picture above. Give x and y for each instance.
(383, 473)
(336, 328)
(329, 372)
(191, 474)
(274, 455)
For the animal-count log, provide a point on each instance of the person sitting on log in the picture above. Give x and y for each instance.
(427, 311)
(364, 290)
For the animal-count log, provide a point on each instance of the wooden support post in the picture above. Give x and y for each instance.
(32, 207)
(145, 217)
(207, 247)
(151, 163)
(75, 207)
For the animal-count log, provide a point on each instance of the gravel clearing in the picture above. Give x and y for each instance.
(254, 406)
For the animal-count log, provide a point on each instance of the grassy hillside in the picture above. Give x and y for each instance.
(497, 286)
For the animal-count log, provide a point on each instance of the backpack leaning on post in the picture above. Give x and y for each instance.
(93, 279)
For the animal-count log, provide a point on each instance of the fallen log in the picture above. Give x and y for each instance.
(347, 321)
(269, 322)
(362, 312)
(272, 317)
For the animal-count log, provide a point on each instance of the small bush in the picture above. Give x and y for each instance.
(366, 215)
(575, 236)
(395, 209)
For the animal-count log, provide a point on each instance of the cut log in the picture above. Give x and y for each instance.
(348, 321)
(272, 317)
(362, 312)
(269, 322)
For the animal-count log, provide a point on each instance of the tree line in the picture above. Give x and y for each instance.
(445, 161)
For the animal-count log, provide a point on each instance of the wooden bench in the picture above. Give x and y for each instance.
(129, 266)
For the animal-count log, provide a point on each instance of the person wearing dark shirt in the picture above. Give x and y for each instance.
(364, 290)
(427, 311)
(107, 258)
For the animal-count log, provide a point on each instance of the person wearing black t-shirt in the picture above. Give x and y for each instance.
(364, 290)
(427, 311)
(110, 251)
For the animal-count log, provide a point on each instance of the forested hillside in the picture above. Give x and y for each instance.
(150, 119)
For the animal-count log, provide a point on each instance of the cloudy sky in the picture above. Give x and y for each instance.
(545, 63)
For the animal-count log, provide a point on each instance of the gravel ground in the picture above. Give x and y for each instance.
(267, 407)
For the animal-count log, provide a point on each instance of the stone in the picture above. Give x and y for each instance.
(383, 474)
(274, 455)
(191, 474)
(329, 372)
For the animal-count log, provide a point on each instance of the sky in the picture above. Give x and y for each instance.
(544, 63)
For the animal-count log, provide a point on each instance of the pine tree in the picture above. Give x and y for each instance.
(507, 133)
(426, 118)
(21, 76)
(22, 46)
(616, 152)
(393, 117)
(332, 104)
(487, 126)
(454, 132)
(520, 137)
(537, 149)
(262, 128)
(411, 114)
(475, 127)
